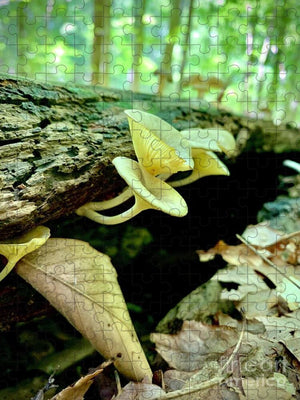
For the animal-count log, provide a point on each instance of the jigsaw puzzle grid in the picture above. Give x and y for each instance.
(51, 50)
(225, 33)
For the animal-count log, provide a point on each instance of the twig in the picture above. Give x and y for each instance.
(236, 349)
(195, 388)
(118, 382)
(269, 262)
(290, 235)
(49, 385)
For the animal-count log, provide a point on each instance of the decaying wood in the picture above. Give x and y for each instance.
(57, 144)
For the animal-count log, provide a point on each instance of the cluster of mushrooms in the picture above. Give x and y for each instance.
(162, 151)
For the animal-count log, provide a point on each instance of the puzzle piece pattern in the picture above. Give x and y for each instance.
(76, 31)
(228, 35)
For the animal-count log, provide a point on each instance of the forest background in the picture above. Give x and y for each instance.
(251, 47)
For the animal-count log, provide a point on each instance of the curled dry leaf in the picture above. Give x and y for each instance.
(194, 344)
(14, 250)
(78, 389)
(81, 283)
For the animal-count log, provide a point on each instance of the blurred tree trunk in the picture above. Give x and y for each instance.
(278, 27)
(165, 72)
(138, 13)
(261, 72)
(185, 42)
(252, 24)
(20, 37)
(100, 56)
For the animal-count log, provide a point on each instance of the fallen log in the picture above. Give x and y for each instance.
(57, 144)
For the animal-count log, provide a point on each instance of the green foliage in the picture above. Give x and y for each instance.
(252, 46)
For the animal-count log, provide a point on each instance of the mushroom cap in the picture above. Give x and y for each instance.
(213, 139)
(149, 191)
(159, 147)
(207, 163)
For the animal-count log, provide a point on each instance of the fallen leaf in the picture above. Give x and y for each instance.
(252, 325)
(262, 235)
(275, 387)
(175, 380)
(283, 275)
(78, 389)
(140, 391)
(81, 283)
(285, 330)
(14, 250)
(234, 255)
(194, 344)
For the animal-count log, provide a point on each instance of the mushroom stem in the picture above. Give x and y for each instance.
(194, 176)
(105, 205)
(148, 190)
(8, 267)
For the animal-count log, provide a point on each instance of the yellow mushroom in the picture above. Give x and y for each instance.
(163, 151)
(148, 190)
(213, 139)
(203, 143)
(14, 250)
(206, 163)
(159, 147)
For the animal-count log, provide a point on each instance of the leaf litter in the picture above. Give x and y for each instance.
(257, 292)
(234, 337)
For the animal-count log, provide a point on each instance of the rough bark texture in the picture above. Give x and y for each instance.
(57, 144)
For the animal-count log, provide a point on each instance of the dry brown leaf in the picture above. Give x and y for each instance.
(201, 347)
(78, 389)
(252, 325)
(194, 344)
(285, 330)
(140, 391)
(281, 250)
(253, 294)
(275, 387)
(262, 235)
(81, 283)
(175, 380)
(235, 255)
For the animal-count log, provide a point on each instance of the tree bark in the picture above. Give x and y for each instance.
(57, 144)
